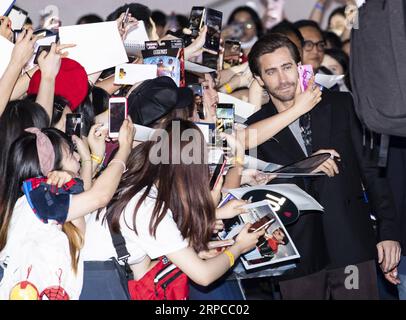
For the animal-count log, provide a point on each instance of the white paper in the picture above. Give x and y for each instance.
(6, 48)
(98, 45)
(132, 73)
(5, 6)
(136, 38)
(194, 67)
(327, 80)
(142, 133)
(301, 199)
(242, 108)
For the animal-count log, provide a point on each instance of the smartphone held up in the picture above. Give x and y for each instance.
(74, 124)
(117, 114)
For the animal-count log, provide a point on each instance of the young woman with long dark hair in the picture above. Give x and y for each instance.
(164, 207)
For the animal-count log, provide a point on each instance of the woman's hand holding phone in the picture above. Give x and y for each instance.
(82, 147)
(126, 135)
(308, 99)
(196, 47)
(24, 48)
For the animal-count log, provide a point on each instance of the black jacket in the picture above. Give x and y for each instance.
(348, 230)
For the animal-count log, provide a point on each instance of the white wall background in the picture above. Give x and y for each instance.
(71, 10)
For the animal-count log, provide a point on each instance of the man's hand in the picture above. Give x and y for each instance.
(392, 277)
(388, 255)
(329, 167)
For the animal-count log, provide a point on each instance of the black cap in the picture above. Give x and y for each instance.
(155, 98)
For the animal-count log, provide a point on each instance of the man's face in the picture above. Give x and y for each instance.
(315, 55)
(278, 235)
(279, 74)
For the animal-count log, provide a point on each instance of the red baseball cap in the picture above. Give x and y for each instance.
(70, 83)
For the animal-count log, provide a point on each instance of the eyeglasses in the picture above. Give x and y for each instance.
(308, 45)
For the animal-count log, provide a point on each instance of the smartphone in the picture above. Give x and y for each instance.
(198, 99)
(209, 60)
(223, 243)
(74, 124)
(225, 115)
(18, 18)
(117, 115)
(265, 225)
(232, 50)
(305, 74)
(213, 21)
(218, 172)
(46, 48)
(16, 33)
(196, 20)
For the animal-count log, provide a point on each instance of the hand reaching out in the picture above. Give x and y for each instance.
(127, 26)
(24, 48)
(50, 63)
(307, 100)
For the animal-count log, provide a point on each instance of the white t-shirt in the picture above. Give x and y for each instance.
(98, 244)
(39, 253)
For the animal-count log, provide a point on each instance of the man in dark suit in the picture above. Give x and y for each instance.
(331, 126)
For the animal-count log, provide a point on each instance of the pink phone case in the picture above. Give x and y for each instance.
(305, 74)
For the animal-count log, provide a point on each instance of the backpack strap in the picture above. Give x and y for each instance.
(121, 249)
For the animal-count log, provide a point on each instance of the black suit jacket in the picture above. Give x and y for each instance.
(348, 230)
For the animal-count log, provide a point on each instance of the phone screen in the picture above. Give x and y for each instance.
(18, 18)
(232, 51)
(195, 20)
(198, 99)
(225, 117)
(74, 122)
(213, 21)
(117, 115)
